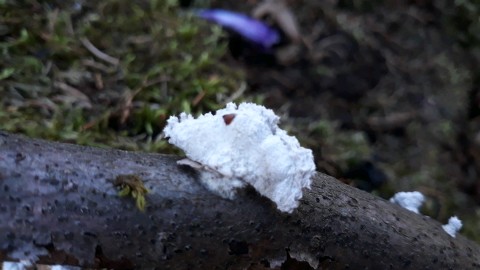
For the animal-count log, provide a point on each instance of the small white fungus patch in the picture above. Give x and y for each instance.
(21, 265)
(243, 145)
(409, 200)
(24, 265)
(453, 226)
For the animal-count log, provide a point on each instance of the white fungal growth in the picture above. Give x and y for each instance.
(21, 265)
(243, 145)
(453, 226)
(409, 200)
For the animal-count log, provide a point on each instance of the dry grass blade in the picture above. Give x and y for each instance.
(74, 93)
(101, 55)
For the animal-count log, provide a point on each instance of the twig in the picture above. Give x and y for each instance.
(125, 107)
(238, 93)
(72, 91)
(101, 55)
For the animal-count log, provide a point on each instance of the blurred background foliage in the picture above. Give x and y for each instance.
(108, 73)
(386, 94)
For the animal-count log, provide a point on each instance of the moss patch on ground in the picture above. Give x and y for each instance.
(109, 73)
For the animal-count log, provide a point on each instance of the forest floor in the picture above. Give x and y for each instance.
(386, 93)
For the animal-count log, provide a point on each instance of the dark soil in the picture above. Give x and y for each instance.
(395, 73)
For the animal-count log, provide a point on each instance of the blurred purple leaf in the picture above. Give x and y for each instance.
(251, 29)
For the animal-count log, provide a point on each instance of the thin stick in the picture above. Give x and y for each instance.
(101, 55)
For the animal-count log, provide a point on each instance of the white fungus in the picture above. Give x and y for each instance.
(243, 145)
(21, 265)
(453, 226)
(24, 265)
(409, 200)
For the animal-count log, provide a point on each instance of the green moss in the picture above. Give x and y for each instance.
(132, 185)
(343, 148)
(470, 224)
(159, 61)
(461, 20)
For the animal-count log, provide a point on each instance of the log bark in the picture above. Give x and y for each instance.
(58, 204)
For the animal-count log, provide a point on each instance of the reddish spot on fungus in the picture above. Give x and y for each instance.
(228, 118)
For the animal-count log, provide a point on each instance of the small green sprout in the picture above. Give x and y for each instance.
(130, 184)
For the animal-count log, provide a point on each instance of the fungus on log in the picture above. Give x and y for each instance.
(59, 205)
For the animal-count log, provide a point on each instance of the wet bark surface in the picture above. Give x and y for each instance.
(58, 204)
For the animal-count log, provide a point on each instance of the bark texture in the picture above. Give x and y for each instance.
(58, 204)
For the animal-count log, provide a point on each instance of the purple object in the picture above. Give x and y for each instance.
(253, 30)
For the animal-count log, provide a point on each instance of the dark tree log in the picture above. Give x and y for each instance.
(58, 203)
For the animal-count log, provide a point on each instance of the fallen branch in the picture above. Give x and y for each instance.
(58, 203)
